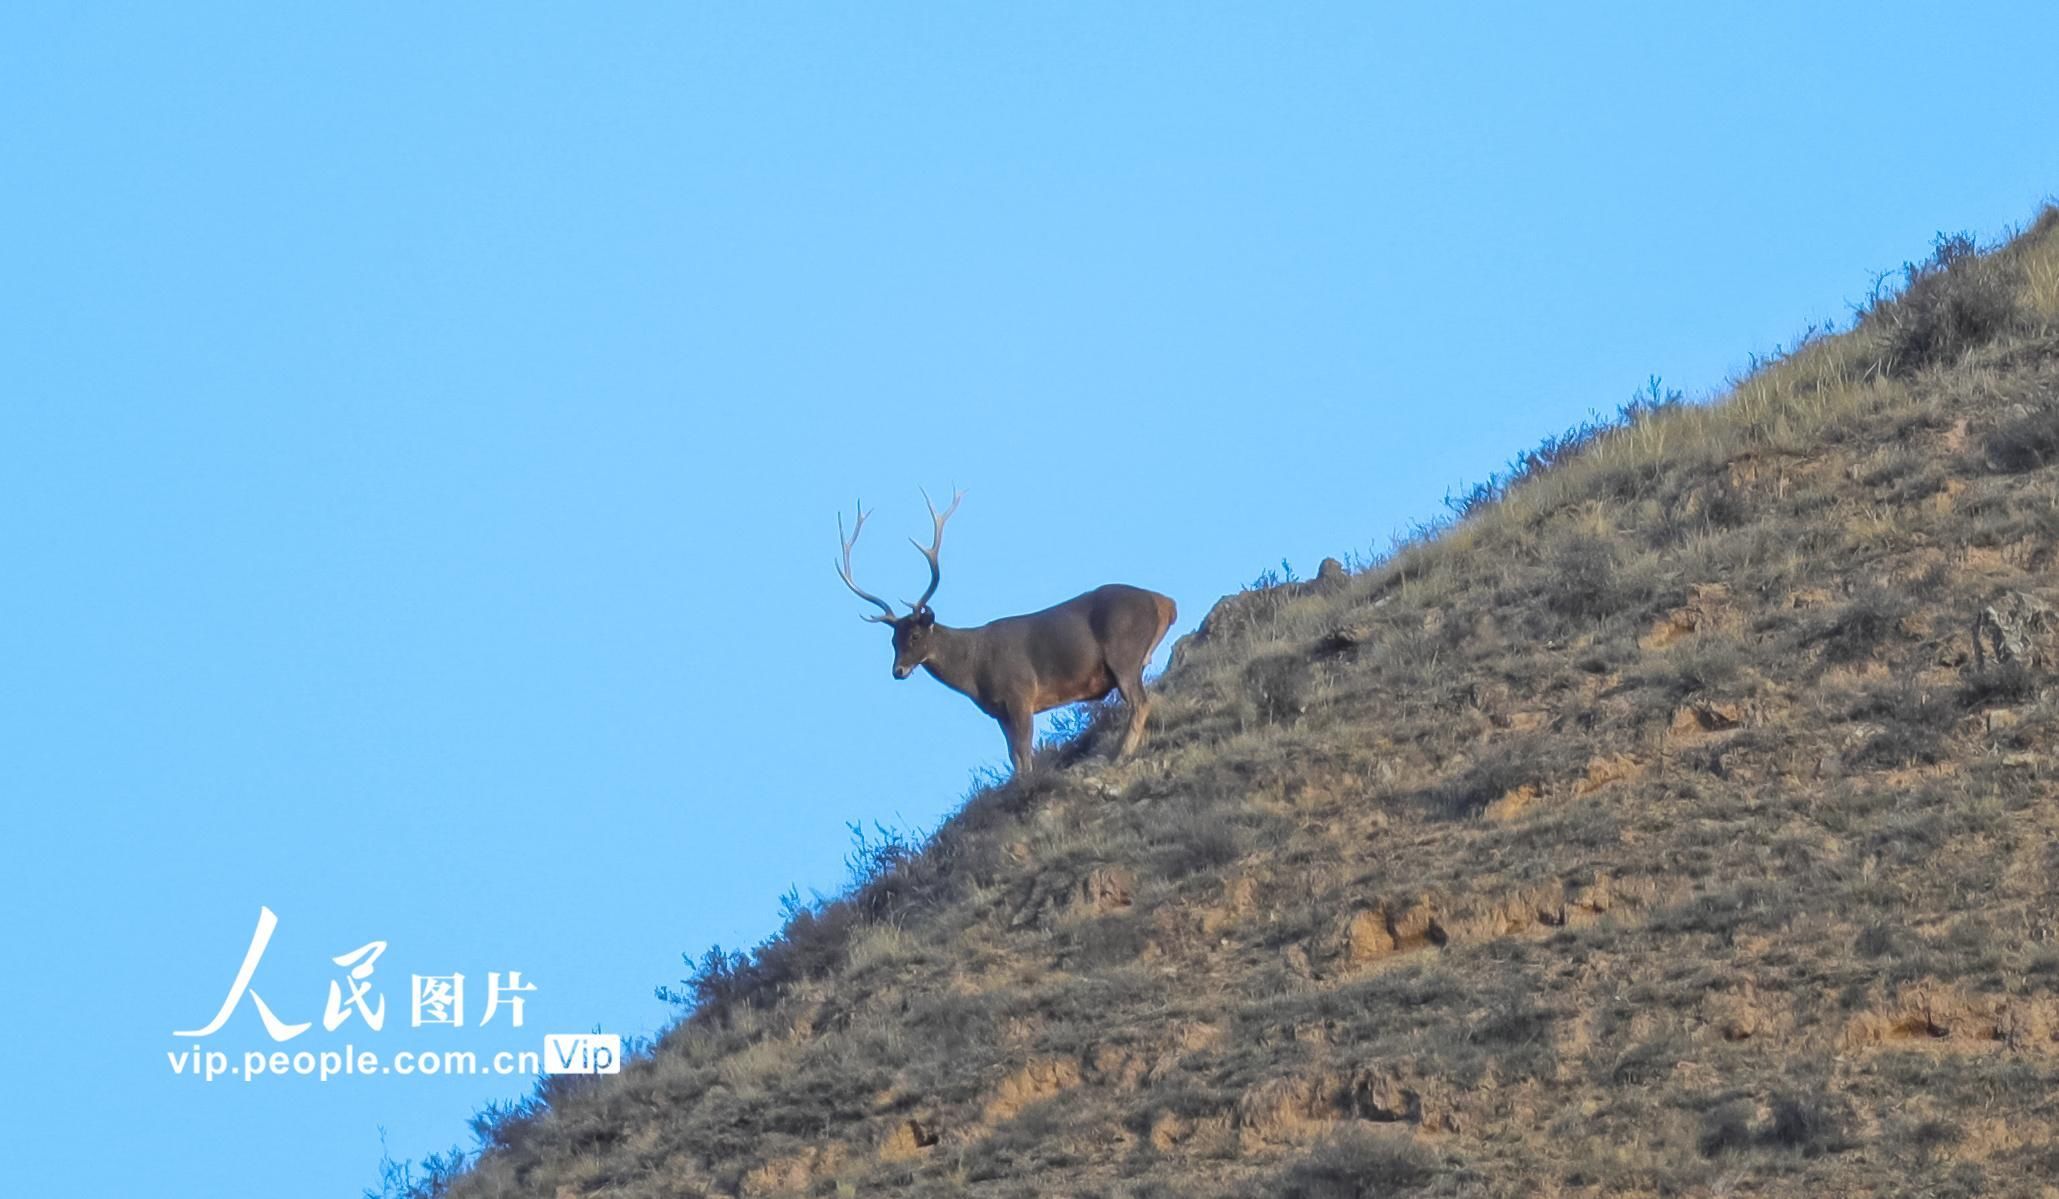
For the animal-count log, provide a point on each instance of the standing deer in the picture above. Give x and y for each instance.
(1018, 666)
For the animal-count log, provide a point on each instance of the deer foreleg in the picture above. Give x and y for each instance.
(1019, 725)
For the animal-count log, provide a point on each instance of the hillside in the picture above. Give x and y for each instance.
(1656, 828)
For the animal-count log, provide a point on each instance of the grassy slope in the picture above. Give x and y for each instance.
(1650, 831)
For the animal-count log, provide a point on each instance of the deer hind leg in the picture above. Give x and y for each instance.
(1130, 682)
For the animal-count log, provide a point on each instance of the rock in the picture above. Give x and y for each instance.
(1388, 929)
(1605, 769)
(1034, 1083)
(1599, 895)
(1107, 889)
(1345, 637)
(792, 1175)
(1168, 1129)
(1386, 1096)
(1736, 1017)
(1511, 804)
(1239, 612)
(1366, 938)
(908, 1138)
(2015, 628)
(1707, 607)
(1293, 1109)
(1528, 721)
(1115, 1066)
(1712, 716)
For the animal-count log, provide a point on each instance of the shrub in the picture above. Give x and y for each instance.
(1707, 665)
(714, 978)
(1068, 725)
(2002, 683)
(1513, 1024)
(1914, 726)
(816, 933)
(1197, 846)
(1112, 940)
(2026, 441)
(878, 854)
(1276, 687)
(1587, 581)
(1863, 625)
(400, 1180)
(1725, 1129)
(1956, 299)
(1928, 1137)
(1033, 1140)
(1884, 941)
(1358, 1165)
(1805, 1124)
(1646, 1062)
(1502, 767)
(1558, 448)
(1810, 1125)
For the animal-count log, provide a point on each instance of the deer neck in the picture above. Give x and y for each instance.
(954, 660)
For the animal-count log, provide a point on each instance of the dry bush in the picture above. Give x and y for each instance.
(1956, 299)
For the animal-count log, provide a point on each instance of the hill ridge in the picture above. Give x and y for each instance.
(1674, 819)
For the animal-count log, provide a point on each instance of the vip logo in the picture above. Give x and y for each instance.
(582, 1053)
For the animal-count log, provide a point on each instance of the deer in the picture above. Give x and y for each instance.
(1018, 666)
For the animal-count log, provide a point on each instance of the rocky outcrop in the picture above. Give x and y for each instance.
(2015, 629)
(1237, 613)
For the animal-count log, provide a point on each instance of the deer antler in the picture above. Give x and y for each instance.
(844, 569)
(936, 545)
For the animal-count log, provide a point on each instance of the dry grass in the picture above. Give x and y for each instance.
(1648, 831)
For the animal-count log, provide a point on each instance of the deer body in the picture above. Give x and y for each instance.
(1073, 652)
(1018, 666)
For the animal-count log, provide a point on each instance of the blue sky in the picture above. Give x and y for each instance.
(423, 428)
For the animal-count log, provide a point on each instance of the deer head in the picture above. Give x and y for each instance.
(914, 632)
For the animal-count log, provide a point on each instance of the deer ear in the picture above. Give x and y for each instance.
(925, 618)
